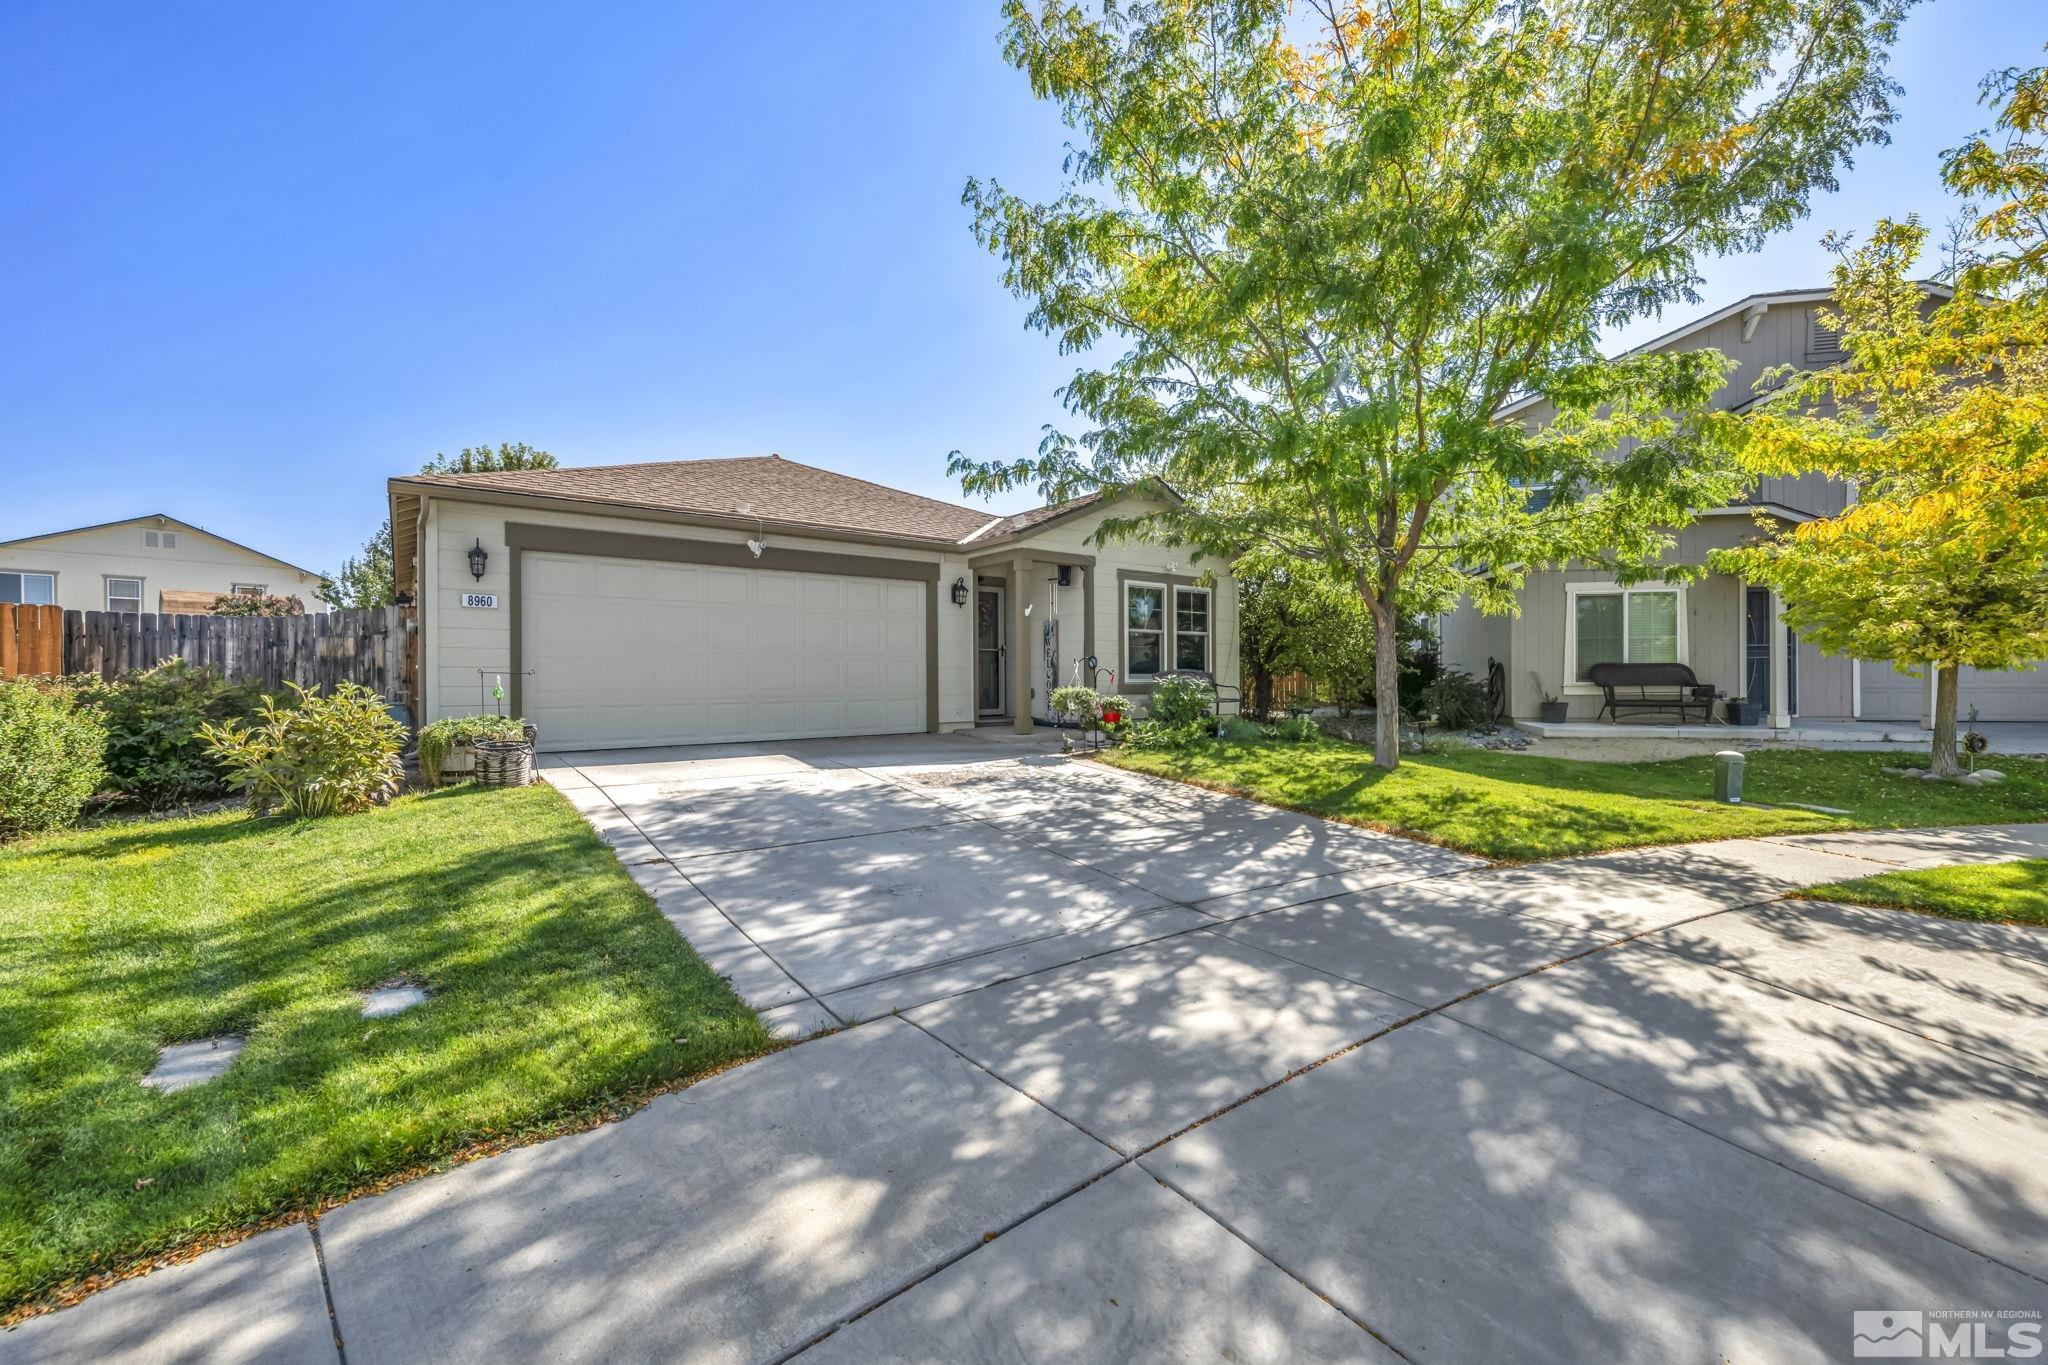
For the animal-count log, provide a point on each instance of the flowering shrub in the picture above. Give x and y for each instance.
(257, 604)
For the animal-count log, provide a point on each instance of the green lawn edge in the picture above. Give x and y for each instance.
(1983, 893)
(1512, 808)
(561, 999)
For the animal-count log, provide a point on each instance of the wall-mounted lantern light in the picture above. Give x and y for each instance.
(959, 592)
(478, 557)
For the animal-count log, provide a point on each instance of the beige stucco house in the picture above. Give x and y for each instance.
(1730, 633)
(144, 564)
(762, 599)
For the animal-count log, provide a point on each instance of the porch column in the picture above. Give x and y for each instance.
(1781, 702)
(1020, 645)
(1087, 572)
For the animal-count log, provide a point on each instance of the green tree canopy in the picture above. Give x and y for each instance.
(1310, 249)
(367, 580)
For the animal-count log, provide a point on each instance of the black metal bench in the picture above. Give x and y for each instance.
(1650, 687)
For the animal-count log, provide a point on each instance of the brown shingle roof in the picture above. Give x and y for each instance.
(769, 487)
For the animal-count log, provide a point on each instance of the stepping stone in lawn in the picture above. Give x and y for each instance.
(385, 1001)
(182, 1065)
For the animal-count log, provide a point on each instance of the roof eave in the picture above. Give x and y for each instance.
(677, 516)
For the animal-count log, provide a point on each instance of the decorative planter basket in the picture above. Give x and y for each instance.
(504, 762)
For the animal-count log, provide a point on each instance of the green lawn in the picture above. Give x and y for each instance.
(1516, 807)
(557, 993)
(2002, 893)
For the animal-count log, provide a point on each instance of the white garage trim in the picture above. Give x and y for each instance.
(575, 541)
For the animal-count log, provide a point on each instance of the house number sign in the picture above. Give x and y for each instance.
(479, 599)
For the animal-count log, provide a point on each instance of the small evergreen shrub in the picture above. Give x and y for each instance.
(50, 756)
(1239, 730)
(1453, 699)
(316, 755)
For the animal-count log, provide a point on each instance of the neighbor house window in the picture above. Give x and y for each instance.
(28, 589)
(1144, 630)
(124, 594)
(1624, 625)
(1191, 629)
(166, 540)
(250, 589)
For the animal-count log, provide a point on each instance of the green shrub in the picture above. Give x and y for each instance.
(1239, 730)
(437, 739)
(50, 755)
(316, 755)
(153, 718)
(1300, 729)
(1179, 702)
(1453, 700)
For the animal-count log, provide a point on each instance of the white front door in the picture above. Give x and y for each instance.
(629, 652)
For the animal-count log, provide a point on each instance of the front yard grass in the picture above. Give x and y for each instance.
(557, 994)
(1519, 807)
(1994, 893)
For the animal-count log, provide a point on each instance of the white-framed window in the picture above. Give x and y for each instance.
(28, 589)
(1605, 623)
(1191, 629)
(249, 589)
(124, 594)
(1144, 630)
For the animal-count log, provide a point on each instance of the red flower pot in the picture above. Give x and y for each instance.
(1112, 717)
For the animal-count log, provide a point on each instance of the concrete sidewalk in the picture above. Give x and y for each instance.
(1155, 1073)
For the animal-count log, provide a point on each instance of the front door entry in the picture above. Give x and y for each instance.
(988, 652)
(1757, 637)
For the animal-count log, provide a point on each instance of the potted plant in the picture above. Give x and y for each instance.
(448, 748)
(1743, 711)
(1552, 710)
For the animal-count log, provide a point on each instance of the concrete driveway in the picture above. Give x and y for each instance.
(1135, 1071)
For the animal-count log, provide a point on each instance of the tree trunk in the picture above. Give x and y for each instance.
(1941, 760)
(1262, 692)
(1386, 688)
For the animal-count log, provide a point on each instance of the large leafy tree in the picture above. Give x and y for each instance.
(366, 580)
(1939, 417)
(1311, 248)
(1290, 620)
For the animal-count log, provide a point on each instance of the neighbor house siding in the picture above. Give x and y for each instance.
(83, 560)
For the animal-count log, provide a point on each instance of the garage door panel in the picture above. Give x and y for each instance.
(637, 652)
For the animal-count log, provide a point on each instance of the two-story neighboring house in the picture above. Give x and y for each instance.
(1719, 626)
(144, 564)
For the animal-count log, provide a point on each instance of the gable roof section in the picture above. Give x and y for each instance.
(764, 488)
(1700, 324)
(168, 520)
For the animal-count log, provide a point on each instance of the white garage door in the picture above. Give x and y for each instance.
(630, 651)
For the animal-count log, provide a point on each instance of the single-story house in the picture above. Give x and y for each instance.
(151, 563)
(1729, 632)
(759, 598)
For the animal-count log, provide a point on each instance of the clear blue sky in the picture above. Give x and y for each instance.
(254, 258)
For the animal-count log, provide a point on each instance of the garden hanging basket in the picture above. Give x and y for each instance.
(504, 762)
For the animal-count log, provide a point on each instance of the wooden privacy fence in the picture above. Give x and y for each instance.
(315, 651)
